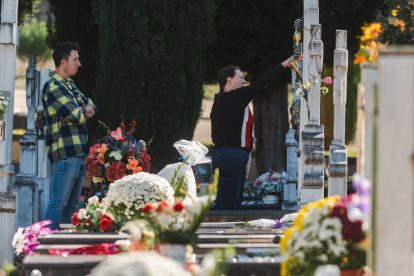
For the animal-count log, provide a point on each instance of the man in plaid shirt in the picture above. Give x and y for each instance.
(66, 110)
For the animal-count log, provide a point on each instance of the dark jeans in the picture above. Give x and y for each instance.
(231, 162)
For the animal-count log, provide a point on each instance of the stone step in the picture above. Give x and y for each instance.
(75, 238)
(244, 215)
(79, 265)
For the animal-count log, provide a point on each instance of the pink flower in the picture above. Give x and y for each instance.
(327, 80)
(117, 134)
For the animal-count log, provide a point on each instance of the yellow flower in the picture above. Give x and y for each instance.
(96, 179)
(285, 239)
(394, 12)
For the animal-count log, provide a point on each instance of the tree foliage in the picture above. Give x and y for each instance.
(73, 21)
(32, 41)
(151, 66)
(397, 21)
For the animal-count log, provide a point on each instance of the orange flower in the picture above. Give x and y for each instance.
(101, 153)
(117, 134)
(133, 166)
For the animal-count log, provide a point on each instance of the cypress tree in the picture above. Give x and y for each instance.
(73, 21)
(151, 67)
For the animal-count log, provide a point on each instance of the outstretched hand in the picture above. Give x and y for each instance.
(288, 61)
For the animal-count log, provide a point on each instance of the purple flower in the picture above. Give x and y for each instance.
(278, 224)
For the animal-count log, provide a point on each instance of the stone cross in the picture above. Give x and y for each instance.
(338, 162)
(311, 17)
(32, 181)
(290, 194)
(312, 135)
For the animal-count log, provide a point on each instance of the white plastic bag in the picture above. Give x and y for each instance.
(195, 153)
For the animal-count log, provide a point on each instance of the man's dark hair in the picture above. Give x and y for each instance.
(224, 73)
(62, 51)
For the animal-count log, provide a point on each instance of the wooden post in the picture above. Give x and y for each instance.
(338, 163)
(394, 201)
(8, 42)
(311, 17)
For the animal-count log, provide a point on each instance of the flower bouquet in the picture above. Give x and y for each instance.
(270, 183)
(304, 89)
(329, 231)
(127, 196)
(25, 239)
(92, 218)
(177, 223)
(115, 155)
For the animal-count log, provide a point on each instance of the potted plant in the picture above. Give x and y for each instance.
(329, 231)
(270, 186)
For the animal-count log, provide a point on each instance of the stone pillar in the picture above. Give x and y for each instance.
(369, 87)
(25, 182)
(290, 193)
(44, 167)
(8, 225)
(312, 136)
(338, 162)
(311, 17)
(393, 171)
(8, 42)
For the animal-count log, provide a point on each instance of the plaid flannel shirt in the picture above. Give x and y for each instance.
(65, 129)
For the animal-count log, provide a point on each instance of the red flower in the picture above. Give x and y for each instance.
(88, 221)
(179, 206)
(146, 161)
(94, 148)
(115, 171)
(93, 169)
(147, 208)
(105, 223)
(75, 219)
(161, 206)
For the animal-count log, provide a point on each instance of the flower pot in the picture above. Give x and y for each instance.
(2, 130)
(352, 272)
(177, 252)
(270, 199)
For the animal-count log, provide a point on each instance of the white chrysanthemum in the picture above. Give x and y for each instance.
(18, 241)
(117, 155)
(330, 228)
(139, 263)
(98, 213)
(129, 194)
(124, 245)
(81, 213)
(93, 200)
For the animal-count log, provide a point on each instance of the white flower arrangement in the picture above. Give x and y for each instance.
(146, 263)
(174, 223)
(128, 195)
